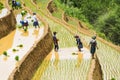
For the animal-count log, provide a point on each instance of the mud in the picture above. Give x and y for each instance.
(51, 7)
(7, 24)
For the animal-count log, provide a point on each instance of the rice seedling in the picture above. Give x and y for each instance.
(14, 50)
(5, 53)
(21, 45)
(17, 58)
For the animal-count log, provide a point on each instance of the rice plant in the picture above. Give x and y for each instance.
(5, 54)
(17, 58)
(14, 50)
(21, 45)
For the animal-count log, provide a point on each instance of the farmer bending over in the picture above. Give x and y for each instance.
(79, 43)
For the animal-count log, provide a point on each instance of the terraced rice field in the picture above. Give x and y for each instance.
(66, 39)
(58, 13)
(109, 57)
(63, 65)
(73, 22)
(42, 4)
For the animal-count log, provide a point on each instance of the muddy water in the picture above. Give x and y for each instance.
(6, 42)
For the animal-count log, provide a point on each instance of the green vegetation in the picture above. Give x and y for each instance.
(58, 13)
(14, 50)
(1, 6)
(63, 70)
(113, 79)
(21, 45)
(102, 15)
(23, 12)
(5, 53)
(25, 29)
(17, 58)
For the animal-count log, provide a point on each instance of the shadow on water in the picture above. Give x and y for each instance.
(36, 32)
(79, 59)
(25, 33)
(6, 42)
(56, 60)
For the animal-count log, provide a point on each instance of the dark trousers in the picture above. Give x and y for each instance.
(56, 47)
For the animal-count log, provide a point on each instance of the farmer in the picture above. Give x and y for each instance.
(14, 4)
(24, 23)
(55, 40)
(93, 46)
(35, 21)
(79, 43)
(18, 5)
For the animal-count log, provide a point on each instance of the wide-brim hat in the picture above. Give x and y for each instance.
(76, 36)
(54, 33)
(94, 37)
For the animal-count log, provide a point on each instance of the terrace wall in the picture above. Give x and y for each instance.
(32, 60)
(7, 24)
(97, 72)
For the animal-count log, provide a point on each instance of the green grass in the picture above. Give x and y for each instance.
(73, 22)
(58, 13)
(42, 4)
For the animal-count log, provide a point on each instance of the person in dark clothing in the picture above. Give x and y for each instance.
(24, 23)
(55, 40)
(79, 43)
(14, 4)
(93, 46)
(35, 21)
